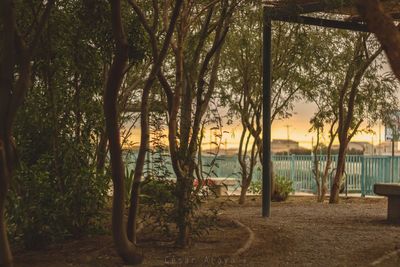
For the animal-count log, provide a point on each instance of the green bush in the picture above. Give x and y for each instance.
(43, 207)
(156, 204)
(282, 188)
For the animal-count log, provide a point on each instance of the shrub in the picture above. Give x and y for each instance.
(256, 186)
(156, 204)
(158, 208)
(43, 207)
(282, 188)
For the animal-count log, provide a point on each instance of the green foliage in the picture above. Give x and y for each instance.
(58, 191)
(129, 173)
(157, 204)
(256, 186)
(43, 208)
(281, 189)
(156, 192)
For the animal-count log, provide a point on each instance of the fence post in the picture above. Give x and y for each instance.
(292, 168)
(388, 175)
(363, 176)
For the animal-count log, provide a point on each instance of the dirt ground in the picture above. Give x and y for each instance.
(300, 232)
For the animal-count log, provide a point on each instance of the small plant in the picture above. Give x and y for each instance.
(281, 189)
(256, 186)
(128, 184)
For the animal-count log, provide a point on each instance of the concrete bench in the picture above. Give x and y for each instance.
(219, 185)
(392, 191)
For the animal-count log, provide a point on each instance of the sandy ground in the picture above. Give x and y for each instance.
(300, 232)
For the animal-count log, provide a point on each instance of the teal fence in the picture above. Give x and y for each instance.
(361, 172)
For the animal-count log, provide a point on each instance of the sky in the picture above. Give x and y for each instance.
(299, 125)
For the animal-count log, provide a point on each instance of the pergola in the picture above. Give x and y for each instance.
(337, 14)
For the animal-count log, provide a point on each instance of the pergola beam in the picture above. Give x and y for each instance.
(327, 23)
(293, 9)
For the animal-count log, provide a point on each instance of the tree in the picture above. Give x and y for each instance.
(320, 119)
(16, 54)
(158, 58)
(241, 85)
(384, 28)
(358, 92)
(125, 248)
(188, 79)
(201, 32)
(348, 121)
(58, 130)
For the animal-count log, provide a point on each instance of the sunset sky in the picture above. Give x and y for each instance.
(298, 130)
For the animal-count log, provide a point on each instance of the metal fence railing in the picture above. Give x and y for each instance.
(361, 172)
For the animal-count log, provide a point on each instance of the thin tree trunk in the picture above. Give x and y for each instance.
(126, 249)
(101, 153)
(184, 218)
(317, 177)
(242, 160)
(324, 178)
(334, 197)
(316, 167)
(6, 259)
(243, 191)
(6, 86)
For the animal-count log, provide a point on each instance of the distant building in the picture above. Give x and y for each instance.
(366, 147)
(228, 152)
(385, 148)
(356, 147)
(283, 145)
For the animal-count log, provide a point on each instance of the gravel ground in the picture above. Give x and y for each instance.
(300, 232)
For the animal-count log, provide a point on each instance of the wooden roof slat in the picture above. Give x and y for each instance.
(327, 23)
(341, 7)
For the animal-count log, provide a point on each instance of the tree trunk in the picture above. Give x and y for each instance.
(334, 197)
(183, 212)
(6, 259)
(243, 191)
(317, 176)
(324, 188)
(133, 211)
(324, 179)
(101, 153)
(145, 111)
(125, 248)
